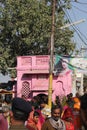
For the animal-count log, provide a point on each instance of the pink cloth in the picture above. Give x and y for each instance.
(3, 123)
(69, 126)
(30, 121)
(41, 118)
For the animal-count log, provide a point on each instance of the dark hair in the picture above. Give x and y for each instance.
(58, 101)
(42, 101)
(19, 115)
(56, 107)
(36, 113)
(83, 100)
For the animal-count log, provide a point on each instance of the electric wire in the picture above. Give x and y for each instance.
(79, 9)
(76, 41)
(76, 32)
(78, 2)
(73, 26)
(74, 12)
(68, 20)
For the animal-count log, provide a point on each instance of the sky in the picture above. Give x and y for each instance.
(4, 79)
(77, 13)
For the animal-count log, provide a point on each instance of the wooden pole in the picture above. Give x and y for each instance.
(51, 55)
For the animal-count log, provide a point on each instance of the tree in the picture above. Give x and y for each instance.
(25, 28)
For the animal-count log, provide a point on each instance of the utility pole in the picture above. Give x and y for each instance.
(71, 24)
(52, 51)
(82, 75)
(51, 55)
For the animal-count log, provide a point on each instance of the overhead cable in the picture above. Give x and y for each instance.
(73, 26)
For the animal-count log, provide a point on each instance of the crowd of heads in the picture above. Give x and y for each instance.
(20, 108)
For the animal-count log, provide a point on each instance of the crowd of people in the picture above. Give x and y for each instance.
(67, 113)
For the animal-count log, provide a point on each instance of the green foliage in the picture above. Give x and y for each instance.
(25, 29)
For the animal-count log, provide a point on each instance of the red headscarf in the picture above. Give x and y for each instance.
(67, 114)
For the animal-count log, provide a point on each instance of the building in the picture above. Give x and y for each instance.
(33, 77)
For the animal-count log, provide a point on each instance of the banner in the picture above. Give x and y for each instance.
(62, 63)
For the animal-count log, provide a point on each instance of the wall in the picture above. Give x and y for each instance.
(33, 77)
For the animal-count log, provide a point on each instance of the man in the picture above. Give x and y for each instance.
(83, 110)
(54, 122)
(19, 114)
(3, 118)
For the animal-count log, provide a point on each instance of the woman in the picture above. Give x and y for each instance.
(33, 121)
(68, 118)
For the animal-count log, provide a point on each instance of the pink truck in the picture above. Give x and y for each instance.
(33, 77)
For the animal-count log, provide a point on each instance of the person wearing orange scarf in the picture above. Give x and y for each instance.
(33, 121)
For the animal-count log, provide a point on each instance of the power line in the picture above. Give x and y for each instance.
(79, 34)
(74, 27)
(79, 9)
(78, 2)
(76, 41)
(77, 26)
